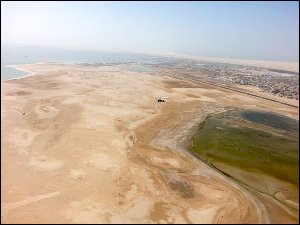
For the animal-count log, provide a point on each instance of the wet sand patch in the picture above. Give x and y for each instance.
(44, 163)
(19, 93)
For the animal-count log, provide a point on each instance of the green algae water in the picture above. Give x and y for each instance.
(273, 120)
(252, 142)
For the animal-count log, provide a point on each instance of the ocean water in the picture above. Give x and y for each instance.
(9, 73)
(27, 55)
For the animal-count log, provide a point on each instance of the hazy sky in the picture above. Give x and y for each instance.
(254, 30)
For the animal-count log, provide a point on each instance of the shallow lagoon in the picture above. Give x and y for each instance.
(272, 119)
(250, 142)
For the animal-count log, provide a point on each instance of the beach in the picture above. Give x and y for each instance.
(83, 144)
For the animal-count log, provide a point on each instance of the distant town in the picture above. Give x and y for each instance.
(277, 82)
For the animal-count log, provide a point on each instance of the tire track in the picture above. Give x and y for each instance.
(29, 200)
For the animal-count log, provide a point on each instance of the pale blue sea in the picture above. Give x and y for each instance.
(25, 55)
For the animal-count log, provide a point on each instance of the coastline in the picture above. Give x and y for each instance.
(20, 67)
(27, 75)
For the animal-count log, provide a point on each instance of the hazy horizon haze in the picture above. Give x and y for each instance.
(244, 30)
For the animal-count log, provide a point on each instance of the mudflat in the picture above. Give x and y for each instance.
(84, 144)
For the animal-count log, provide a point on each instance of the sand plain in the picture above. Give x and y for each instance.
(86, 144)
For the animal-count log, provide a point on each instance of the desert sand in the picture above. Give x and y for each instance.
(92, 145)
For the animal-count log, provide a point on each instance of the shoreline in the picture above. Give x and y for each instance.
(193, 157)
(290, 207)
(244, 186)
(29, 72)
